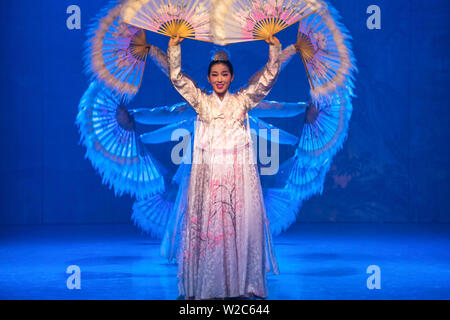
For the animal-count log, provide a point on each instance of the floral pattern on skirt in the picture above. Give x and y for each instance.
(223, 251)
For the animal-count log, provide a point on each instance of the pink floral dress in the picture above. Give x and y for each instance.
(226, 247)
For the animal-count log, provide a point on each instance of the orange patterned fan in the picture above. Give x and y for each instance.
(187, 18)
(324, 46)
(116, 53)
(246, 20)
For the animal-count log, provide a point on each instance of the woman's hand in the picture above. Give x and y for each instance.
(174, 41)
(273, 41)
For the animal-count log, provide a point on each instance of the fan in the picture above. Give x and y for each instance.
(324, 133)
(325, 49)
(113, 146)
(325, 129)
(294, 183)
(116, 53)
(152, 214)
(304, 179)
(157, 214)
(187, 18)
(246, 20)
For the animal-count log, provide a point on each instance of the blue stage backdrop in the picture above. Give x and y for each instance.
(393, 168)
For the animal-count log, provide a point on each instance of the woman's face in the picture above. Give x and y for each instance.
(220, 78)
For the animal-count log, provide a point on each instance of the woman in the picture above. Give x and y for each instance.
(226, 248)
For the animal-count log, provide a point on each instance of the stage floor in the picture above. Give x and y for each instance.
(317, 261)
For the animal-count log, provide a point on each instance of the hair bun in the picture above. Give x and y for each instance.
(220, 55)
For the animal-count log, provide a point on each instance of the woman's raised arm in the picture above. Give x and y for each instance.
(182, 83)
(260, 85)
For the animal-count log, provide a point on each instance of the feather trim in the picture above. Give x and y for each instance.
(281, 209)
(152, 214)
(341, 81)
(115, 53)
(324, 137)
(114, 148)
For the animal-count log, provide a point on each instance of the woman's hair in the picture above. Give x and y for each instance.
(220, 57)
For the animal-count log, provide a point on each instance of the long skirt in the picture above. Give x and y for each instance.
(226, 247)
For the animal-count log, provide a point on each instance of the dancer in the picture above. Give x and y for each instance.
(118, 153)
(226, 247)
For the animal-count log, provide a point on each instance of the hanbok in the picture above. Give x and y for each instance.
(226, 246)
